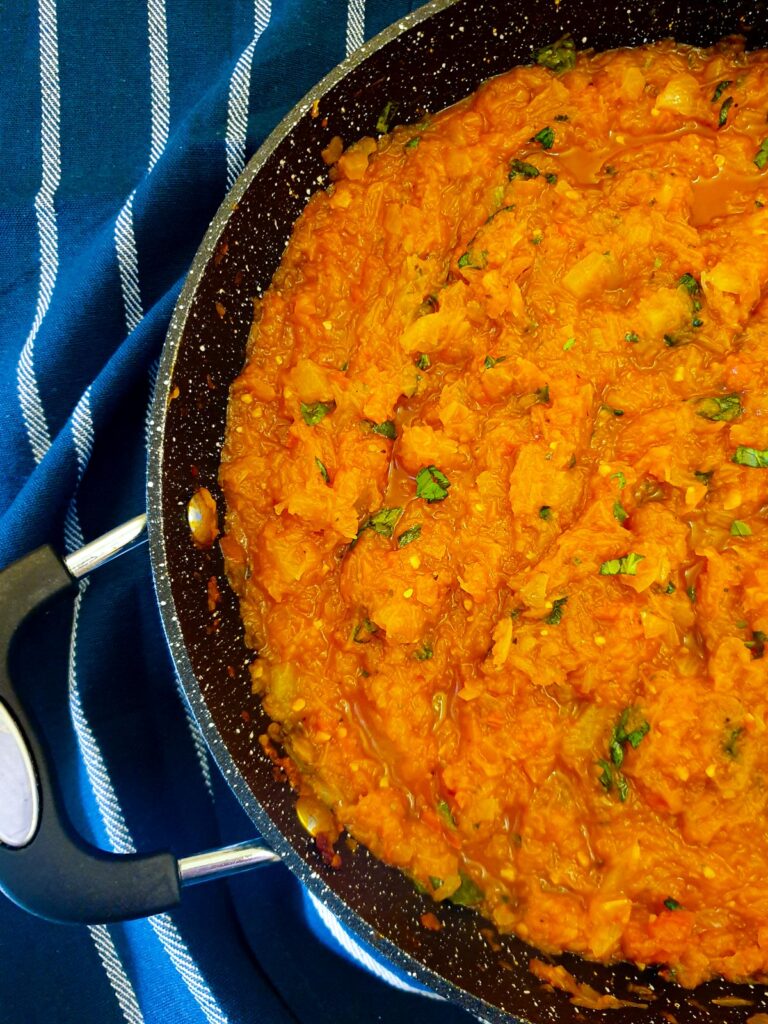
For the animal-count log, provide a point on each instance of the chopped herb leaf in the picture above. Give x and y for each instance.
(322, 469)
(555, 616)
(423, 362)
(386, 429)
(569, 344)
(691, 285)
(384, 521)
(489, 362)
(558, 57)
(446, 814)
(696, 322)
(761, 156)
(621, 478)
(550, 178)
(704, 475)
(431, 484)
(606, 776)
(720, 408)
(671, 904)
(670, 588)
(384, 119)
(345, 366)
(542, 395)
(413, 143)
(669, 341)
(435, 882)
(468, 894)
(473, 261)
(740, 529)
(631, 337)
(729, 746)
(622, 787)
(753, 457)
(624, 566)
(424, 653)
(429, 305)
(408, 536)
(757, 643)
(537, 238)
(723, 116)
(545, 512)
(720, 89)
(610, 170)
(611, 409)
(316, 411)
(520, 169)
(363, 631)
(619, 512)
(691, 592)
(545, 138)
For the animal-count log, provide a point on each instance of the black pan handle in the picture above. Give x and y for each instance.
(46, 867)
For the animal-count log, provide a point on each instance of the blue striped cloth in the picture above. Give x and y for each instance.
(122, 125)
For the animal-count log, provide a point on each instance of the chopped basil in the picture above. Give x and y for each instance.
(691, 285)
(555, 616)
(753, 457)
(670, 588)
(672, 904)
(550, 178)
(383, 522)
(413, 143)
(621, 478)
(473, 261)
(386, 429)
(720, 89)
(313, 412)
(363, 631)
(408, 536)
(704, 475)
(624, 566)
(545, 138)
(545, 512)
(761, 156)
(424, 653)
(468, 894)
(631, 337)
(384, 119)
(542, 395)
(489, 362)
(558, 57)
(322, 469)
(609, 778)
(720, 408)
(423, 362)
(723, 116)
(619, 512)
(757, 643)
(431, 484)
(740, 529)
(520, 169)
(568, 345)
(446, 814)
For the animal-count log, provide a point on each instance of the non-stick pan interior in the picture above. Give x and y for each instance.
(427, 62)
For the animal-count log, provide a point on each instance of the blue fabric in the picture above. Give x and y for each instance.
(121, 126)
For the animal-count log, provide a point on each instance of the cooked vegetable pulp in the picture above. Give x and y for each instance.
(497, 484)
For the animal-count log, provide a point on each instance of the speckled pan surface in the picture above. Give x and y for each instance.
(429, 60)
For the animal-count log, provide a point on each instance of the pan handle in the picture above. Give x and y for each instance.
(46, 867)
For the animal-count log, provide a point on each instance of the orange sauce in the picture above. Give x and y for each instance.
(496, 474)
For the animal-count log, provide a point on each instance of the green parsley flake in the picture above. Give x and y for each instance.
(720, 89)
(545, 512)
(624, 566)
(723, 116)
(691, 285)
(619, 512)
(720, 408)
(446, 814)
(761, 156)
(409, 536)
(631, 337)
(757, 643)
(386, 429)
(558, 57)
(621, 479)
(468, 894)
(731, 739)
(542, 395)
(670, 903)
(424, 653)
(384, 521)
(423, 362)
(473, 261)
(413, 143)
(755, 458)
(363, 631)
(431, 484)
(550, 178)
(313, 412)
(740, 529)
(569, 344)
(520, 169)
(670, 588)
(322, 469)
(384, 119)
(704, 475)
(555, 616)
(489, 362)
(545, 138)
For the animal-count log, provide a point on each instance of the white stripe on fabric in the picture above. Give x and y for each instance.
(174, 946)
(115, 972)
(355, 25)
(364, 958)
(45, 211)
(158, 78)
(128, 264)
(239, 95)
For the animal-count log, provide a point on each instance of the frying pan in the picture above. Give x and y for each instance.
(428, 60)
